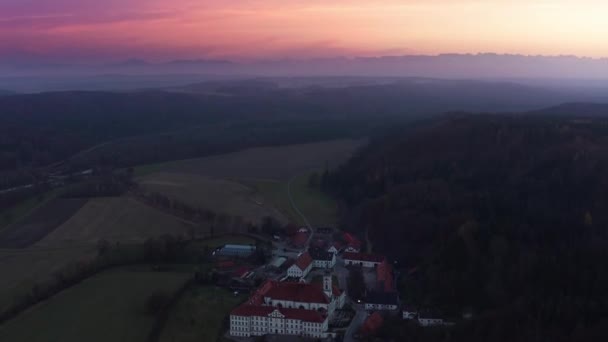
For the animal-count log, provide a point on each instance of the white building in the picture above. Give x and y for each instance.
(289, 309)
(322, 259)
(332, 249)
(382, 301)
(429, 322)
(362, 259)
(301, 267)
(409, 313)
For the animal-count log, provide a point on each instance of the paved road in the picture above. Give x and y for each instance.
(356, 323)
(295, 207)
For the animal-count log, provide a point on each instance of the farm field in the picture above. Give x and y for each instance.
(219, 195)
(318, 208)
(122, 219)
(22, 268)
(107, 307)
(278, 163)
(199, 314)
(21, 210)
(42, 221)
(263, 174)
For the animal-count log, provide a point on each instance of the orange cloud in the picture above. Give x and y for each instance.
(284, 28)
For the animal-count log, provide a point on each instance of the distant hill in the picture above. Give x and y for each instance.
(502, 215)
(576, 110)
(6, 92)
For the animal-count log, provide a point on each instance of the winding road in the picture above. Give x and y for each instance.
(298, 211)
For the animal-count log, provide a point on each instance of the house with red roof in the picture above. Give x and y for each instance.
(301, 267)
(372, 324)
(288, 309)
(353, 244)
(362, 259)
(384, 277)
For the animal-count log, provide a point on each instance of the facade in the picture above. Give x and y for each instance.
(237, 250)
(332, 249)
(362, 259)
(322, 258)
(382, 301)
(430, 322)
(246, 321)
(410, 313)
(301, 267)
(288, 309)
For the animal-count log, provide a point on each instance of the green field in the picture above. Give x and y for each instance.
(318, 208)
(199, 314)
(219, 195)
(106, 307)
(21, 210)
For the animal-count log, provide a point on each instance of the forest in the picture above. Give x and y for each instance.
(499, 216)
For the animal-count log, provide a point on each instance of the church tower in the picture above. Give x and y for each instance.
(327, 284)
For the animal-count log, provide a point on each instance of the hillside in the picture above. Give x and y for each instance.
(504, 215)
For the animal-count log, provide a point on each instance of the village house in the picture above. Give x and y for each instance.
(301, 267)
(362, 259)
(384, 277)
(332, 249)
(410, 312)
(322, 259)
(289, 309)
(372, 324)
(381, 301)
(353, 245)
(429, 318)
(236, 250)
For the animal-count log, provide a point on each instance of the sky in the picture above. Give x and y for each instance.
(160, 30)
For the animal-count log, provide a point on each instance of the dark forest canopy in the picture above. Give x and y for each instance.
(38, 129)
(503, 215)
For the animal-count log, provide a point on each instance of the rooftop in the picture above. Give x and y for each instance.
(303, 261)
(243, 247)
(298, 292)
(320, 254)
(386, 298)
(363, 257)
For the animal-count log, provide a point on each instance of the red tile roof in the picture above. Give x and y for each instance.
(384, 274)
(299, 314)
(225, 264)
(298, 292)
(336, 291)
(363, 257)
(350, 238)
(303, 261)
(372, 323)
(300, 239)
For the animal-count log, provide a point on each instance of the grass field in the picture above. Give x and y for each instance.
(22, 268)
(219, 195)
(39, 223)
(278, 163)
(106, 307)
(318, 208)
(121, 219)
(21, 210)
(199, 314)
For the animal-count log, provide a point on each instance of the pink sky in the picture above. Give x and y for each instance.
(95, 30)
